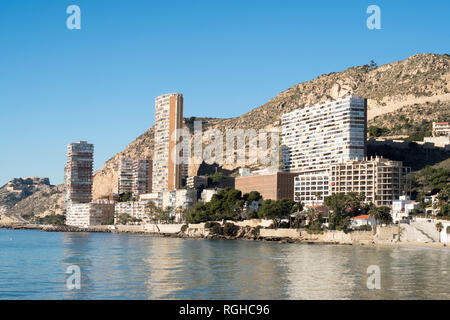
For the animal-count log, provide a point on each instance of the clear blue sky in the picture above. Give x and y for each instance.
(99, 83)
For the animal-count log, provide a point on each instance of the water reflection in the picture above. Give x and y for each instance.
(121, 266)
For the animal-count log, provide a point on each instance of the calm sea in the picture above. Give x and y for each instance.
(33, 265)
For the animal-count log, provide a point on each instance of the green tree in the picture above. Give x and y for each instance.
(271, 209)
(439, 228)
(336, 203)
(381, 214)
(374, 131)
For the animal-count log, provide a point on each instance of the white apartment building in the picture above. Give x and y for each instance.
(155, 197)
(197, 182)
(441, 129)
(402, 208)
(167, 174)
(89, 214)
(315, 137)
(181, 198)
(135, 209)
(310, 189)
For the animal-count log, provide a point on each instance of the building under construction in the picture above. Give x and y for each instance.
(78, 172)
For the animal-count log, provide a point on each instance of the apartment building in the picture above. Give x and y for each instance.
(311, 189)
(270, 184)
(135, 176)
(441, 129)
(155, 197)
(142, 176)
(197, 182)
(317, 136)
(167, 173)
(135, 209)
(78, 173)
(181, 198)
(125, 176)
(95, 213)
(381, 180)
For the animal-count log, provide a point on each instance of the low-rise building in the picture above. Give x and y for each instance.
(402, 208)
(441, 129)
(96, 213)
(439, 141)
(271, 185)
(155, 197)
(197, 182)
(445, 233)
(135, 209)
(180, 198)
(363, 220)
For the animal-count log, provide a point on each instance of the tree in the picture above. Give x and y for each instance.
(297, 207)
(125, 197)
(444, 210)
(444, 193)
(336, 203)
(271, 209)
(439, 228)
(373, 65)
(375, 131)
(252, 196)
(381, 214)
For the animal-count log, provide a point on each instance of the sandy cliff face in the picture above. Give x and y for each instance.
(421, 80)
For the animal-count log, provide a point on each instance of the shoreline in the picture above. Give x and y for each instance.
(182, 235)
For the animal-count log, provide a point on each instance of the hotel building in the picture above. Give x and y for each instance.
(380, 180)
(315, 137)
(167, 174)
(78, 173)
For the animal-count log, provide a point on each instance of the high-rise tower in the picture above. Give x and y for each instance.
(78, 172)
(167, 173)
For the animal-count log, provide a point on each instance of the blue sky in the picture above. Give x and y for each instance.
(99, 83)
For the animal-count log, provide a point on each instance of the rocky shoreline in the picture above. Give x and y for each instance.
(244, 233)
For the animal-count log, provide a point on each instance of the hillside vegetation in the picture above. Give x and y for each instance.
(416, 89)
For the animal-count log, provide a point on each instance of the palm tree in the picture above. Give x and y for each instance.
(179, 210)
(150, 210)
(439, 227)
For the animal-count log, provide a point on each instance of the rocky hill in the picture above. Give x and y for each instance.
(420, 83)
(20, 188)
(48, 200)
(24, 197)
